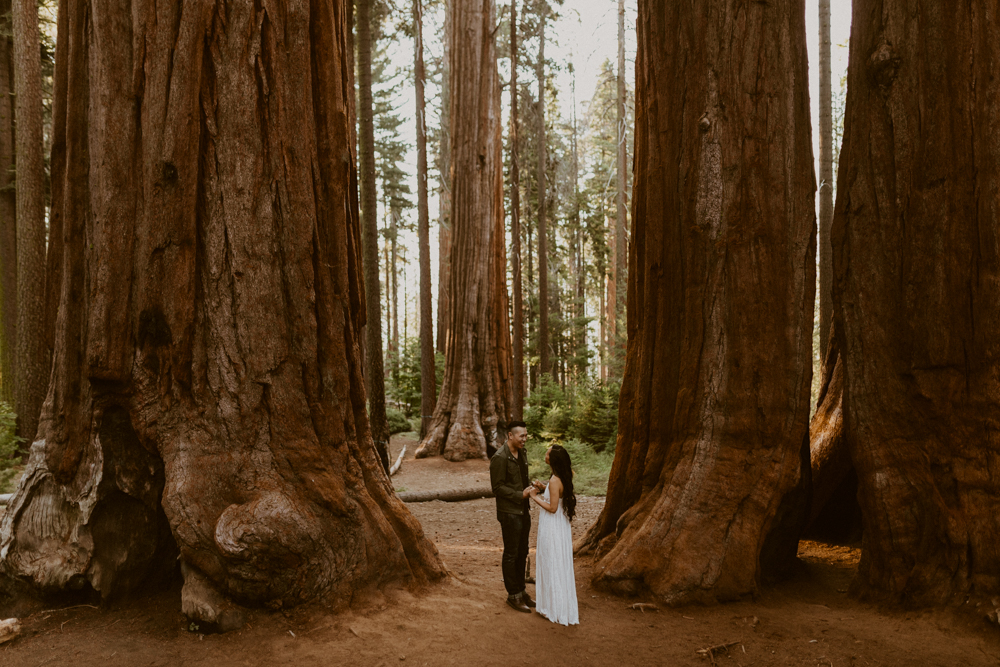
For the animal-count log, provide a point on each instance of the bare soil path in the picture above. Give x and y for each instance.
(806, 621)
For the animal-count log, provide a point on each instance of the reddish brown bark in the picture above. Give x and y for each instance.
(706, 490)
(444, 193)
(475, 395)
(8, 210)
(31, 355)
(517, 378)
(916, 239)
(374, 371)
(428, 385)
(207, 396)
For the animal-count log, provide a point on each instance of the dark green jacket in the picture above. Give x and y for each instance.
(505, 478)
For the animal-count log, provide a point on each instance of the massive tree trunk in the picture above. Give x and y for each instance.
(31, 356)
(8, 210)
(707, 489)
(834, 512)
(206, 397)
(517, 380)
(444, 195)
(428, 386)
(826, 149)
(916, 238)
(476, 394)
(374, 372)
(544, 366)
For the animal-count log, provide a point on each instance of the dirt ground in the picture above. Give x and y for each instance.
(808, 620)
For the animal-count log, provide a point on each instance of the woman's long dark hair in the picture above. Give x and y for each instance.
(562, 468)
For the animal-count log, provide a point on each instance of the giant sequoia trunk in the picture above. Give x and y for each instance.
(517, 378)
(206, 398)
(475, 395)
(707, 488)
(916, 243)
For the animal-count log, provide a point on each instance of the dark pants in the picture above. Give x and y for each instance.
(515, 530)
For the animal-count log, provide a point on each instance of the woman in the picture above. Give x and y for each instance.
(555, 582)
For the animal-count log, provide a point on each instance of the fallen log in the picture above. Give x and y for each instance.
(399, 462)
(448, 495)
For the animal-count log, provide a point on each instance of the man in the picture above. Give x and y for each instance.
(509, 478)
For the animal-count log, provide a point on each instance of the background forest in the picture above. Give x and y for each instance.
(583, 65)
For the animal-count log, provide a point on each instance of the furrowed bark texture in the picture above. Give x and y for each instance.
(374, 369)
(428, 384)
(916, 243)
(444, 195)
(31, 360)
(517, 378)
(707, 488)
(207, 396)
(826, 149)
(829, 457)
(476, 394)
(8, 210)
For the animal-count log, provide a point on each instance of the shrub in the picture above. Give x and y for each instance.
(595, 419)
(398, 423)
(590, 468)
(543, 398)
(9, 459)
(557, 423)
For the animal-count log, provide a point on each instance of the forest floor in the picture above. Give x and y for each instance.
(807, 620)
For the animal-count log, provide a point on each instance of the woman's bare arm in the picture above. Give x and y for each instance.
(555, 491)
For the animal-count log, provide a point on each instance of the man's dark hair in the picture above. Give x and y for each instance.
(512, 425)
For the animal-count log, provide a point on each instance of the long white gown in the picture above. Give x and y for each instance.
(555, 581)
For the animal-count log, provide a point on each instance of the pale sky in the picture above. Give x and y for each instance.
(586, 33)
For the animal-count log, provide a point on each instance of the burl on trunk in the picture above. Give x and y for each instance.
(707, 491)
(916, 238)
(206, 397)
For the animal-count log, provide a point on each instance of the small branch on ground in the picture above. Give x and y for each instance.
(643, 606)
(710, 651)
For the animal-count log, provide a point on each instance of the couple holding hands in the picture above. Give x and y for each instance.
(555, 582)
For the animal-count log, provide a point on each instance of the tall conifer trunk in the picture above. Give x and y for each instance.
(374, 371)
(31, 353)
(826, 149)
(8, 210)
(544, 365)
(428, 386)
(517, 381)
(444, 196)
(621, 199)
(706, 492)
(476, 394)
(916, 253)
(207, 399)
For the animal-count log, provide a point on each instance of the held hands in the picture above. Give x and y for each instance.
(529, 491)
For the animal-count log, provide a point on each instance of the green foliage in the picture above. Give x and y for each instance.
(9, 460)
(398, 423)
(590, 468)
(403, 386)
(542, 398)
(595, 419)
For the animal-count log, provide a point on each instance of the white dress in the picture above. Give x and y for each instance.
(555, 581)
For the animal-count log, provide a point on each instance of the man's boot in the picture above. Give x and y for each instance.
(515, 602)
(526, 599)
